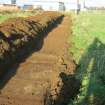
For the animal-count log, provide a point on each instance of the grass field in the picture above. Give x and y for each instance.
(6, 15)
(88, 49)
(87, 27)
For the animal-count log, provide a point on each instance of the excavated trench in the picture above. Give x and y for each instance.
(45, 75)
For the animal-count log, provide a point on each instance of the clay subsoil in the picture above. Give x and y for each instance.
(28, 83)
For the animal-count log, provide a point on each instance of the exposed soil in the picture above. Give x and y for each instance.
(42, 78)
(18, 36)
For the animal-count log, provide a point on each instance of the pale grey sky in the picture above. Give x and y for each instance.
(88, 2)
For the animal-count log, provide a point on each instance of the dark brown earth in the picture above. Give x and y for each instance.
(30, 82)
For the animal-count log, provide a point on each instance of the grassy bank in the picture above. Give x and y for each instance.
(87, 27)
(88, 49)
(6, 15)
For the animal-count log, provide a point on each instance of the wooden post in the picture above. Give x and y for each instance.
(84, 4)
(78, 7)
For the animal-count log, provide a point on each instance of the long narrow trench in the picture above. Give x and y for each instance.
(46, 69)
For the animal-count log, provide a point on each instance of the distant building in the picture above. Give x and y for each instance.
(62, 6)
(13, 2)
(47, 5)
(56, 5)
(28, 7)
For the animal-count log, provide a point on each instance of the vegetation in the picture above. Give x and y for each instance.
(88, 49)
(6, 15)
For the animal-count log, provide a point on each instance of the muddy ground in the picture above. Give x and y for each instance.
(45, 77)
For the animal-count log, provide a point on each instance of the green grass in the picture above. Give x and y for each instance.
(88, 49)
(6, 15)
(86, 27)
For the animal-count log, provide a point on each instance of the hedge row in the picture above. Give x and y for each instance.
(19, 35)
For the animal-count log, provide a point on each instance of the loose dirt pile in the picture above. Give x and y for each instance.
(19, 35)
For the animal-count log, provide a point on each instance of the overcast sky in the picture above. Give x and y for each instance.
(88, 2)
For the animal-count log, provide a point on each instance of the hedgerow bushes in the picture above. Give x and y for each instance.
(19, 35)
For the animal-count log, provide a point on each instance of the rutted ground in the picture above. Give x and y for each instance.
(39, 71)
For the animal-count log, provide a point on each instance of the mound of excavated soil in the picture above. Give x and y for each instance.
(19, 35)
